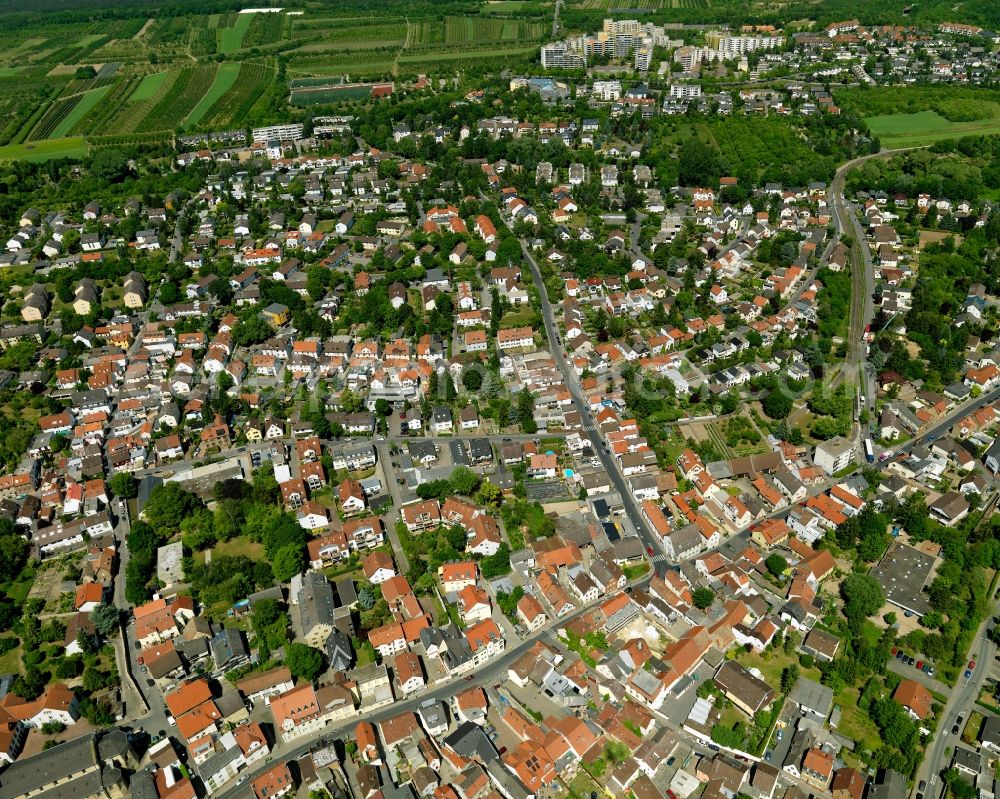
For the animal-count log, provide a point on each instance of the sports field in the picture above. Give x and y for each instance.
(925, 128)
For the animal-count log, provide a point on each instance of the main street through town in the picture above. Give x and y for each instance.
(651, 541)
(492, 672)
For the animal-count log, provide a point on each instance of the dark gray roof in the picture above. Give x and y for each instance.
(142, 786)
(890, 784)
(80, 756)
(338, 651)
(481, 449)
(470, 741)
(316, 603)
(218, 761)
(228, 645)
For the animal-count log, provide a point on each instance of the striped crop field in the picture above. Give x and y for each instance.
(88, 101)
(179, 100)
(225, 79)
(252, 83)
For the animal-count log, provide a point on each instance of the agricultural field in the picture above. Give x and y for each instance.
(359, 64)
(264, 29)
(645, 5)
(954, 103)
(88, 101)
(224, 80)
(53, 118)
(464, 30)
(173, 106)
(431, 60)
(252, 82)
(46, 150)
(370, 35)
(541, 7)
(185, 70)
(231, 38)
(924, 128)
(148, 87)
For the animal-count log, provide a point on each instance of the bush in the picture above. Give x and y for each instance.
(53, 727)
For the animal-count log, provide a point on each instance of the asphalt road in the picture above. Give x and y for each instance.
(650, 540)
(496, 669)
(960, 702)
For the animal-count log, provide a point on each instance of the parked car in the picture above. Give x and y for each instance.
(968, 673)
(972, 665)
(920, 665)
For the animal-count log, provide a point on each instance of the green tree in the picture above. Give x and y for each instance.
(777, 404)
(464, 481)
(472, 379)
(13, 552)
(169, 504)
(862, 595)
(366, 598)
(287, 562)
(489, 494)
(526, 411)
(776, 564)
(109, 165)
(496, 565)
(703, 597)
(304, 662)
(124, 485)
(105, 619)
(53, 727)
(789, 676)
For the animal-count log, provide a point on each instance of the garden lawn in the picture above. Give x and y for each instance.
(225, 79)
(854, 723)
(238, 546)
(772, 664)
(10, 662)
